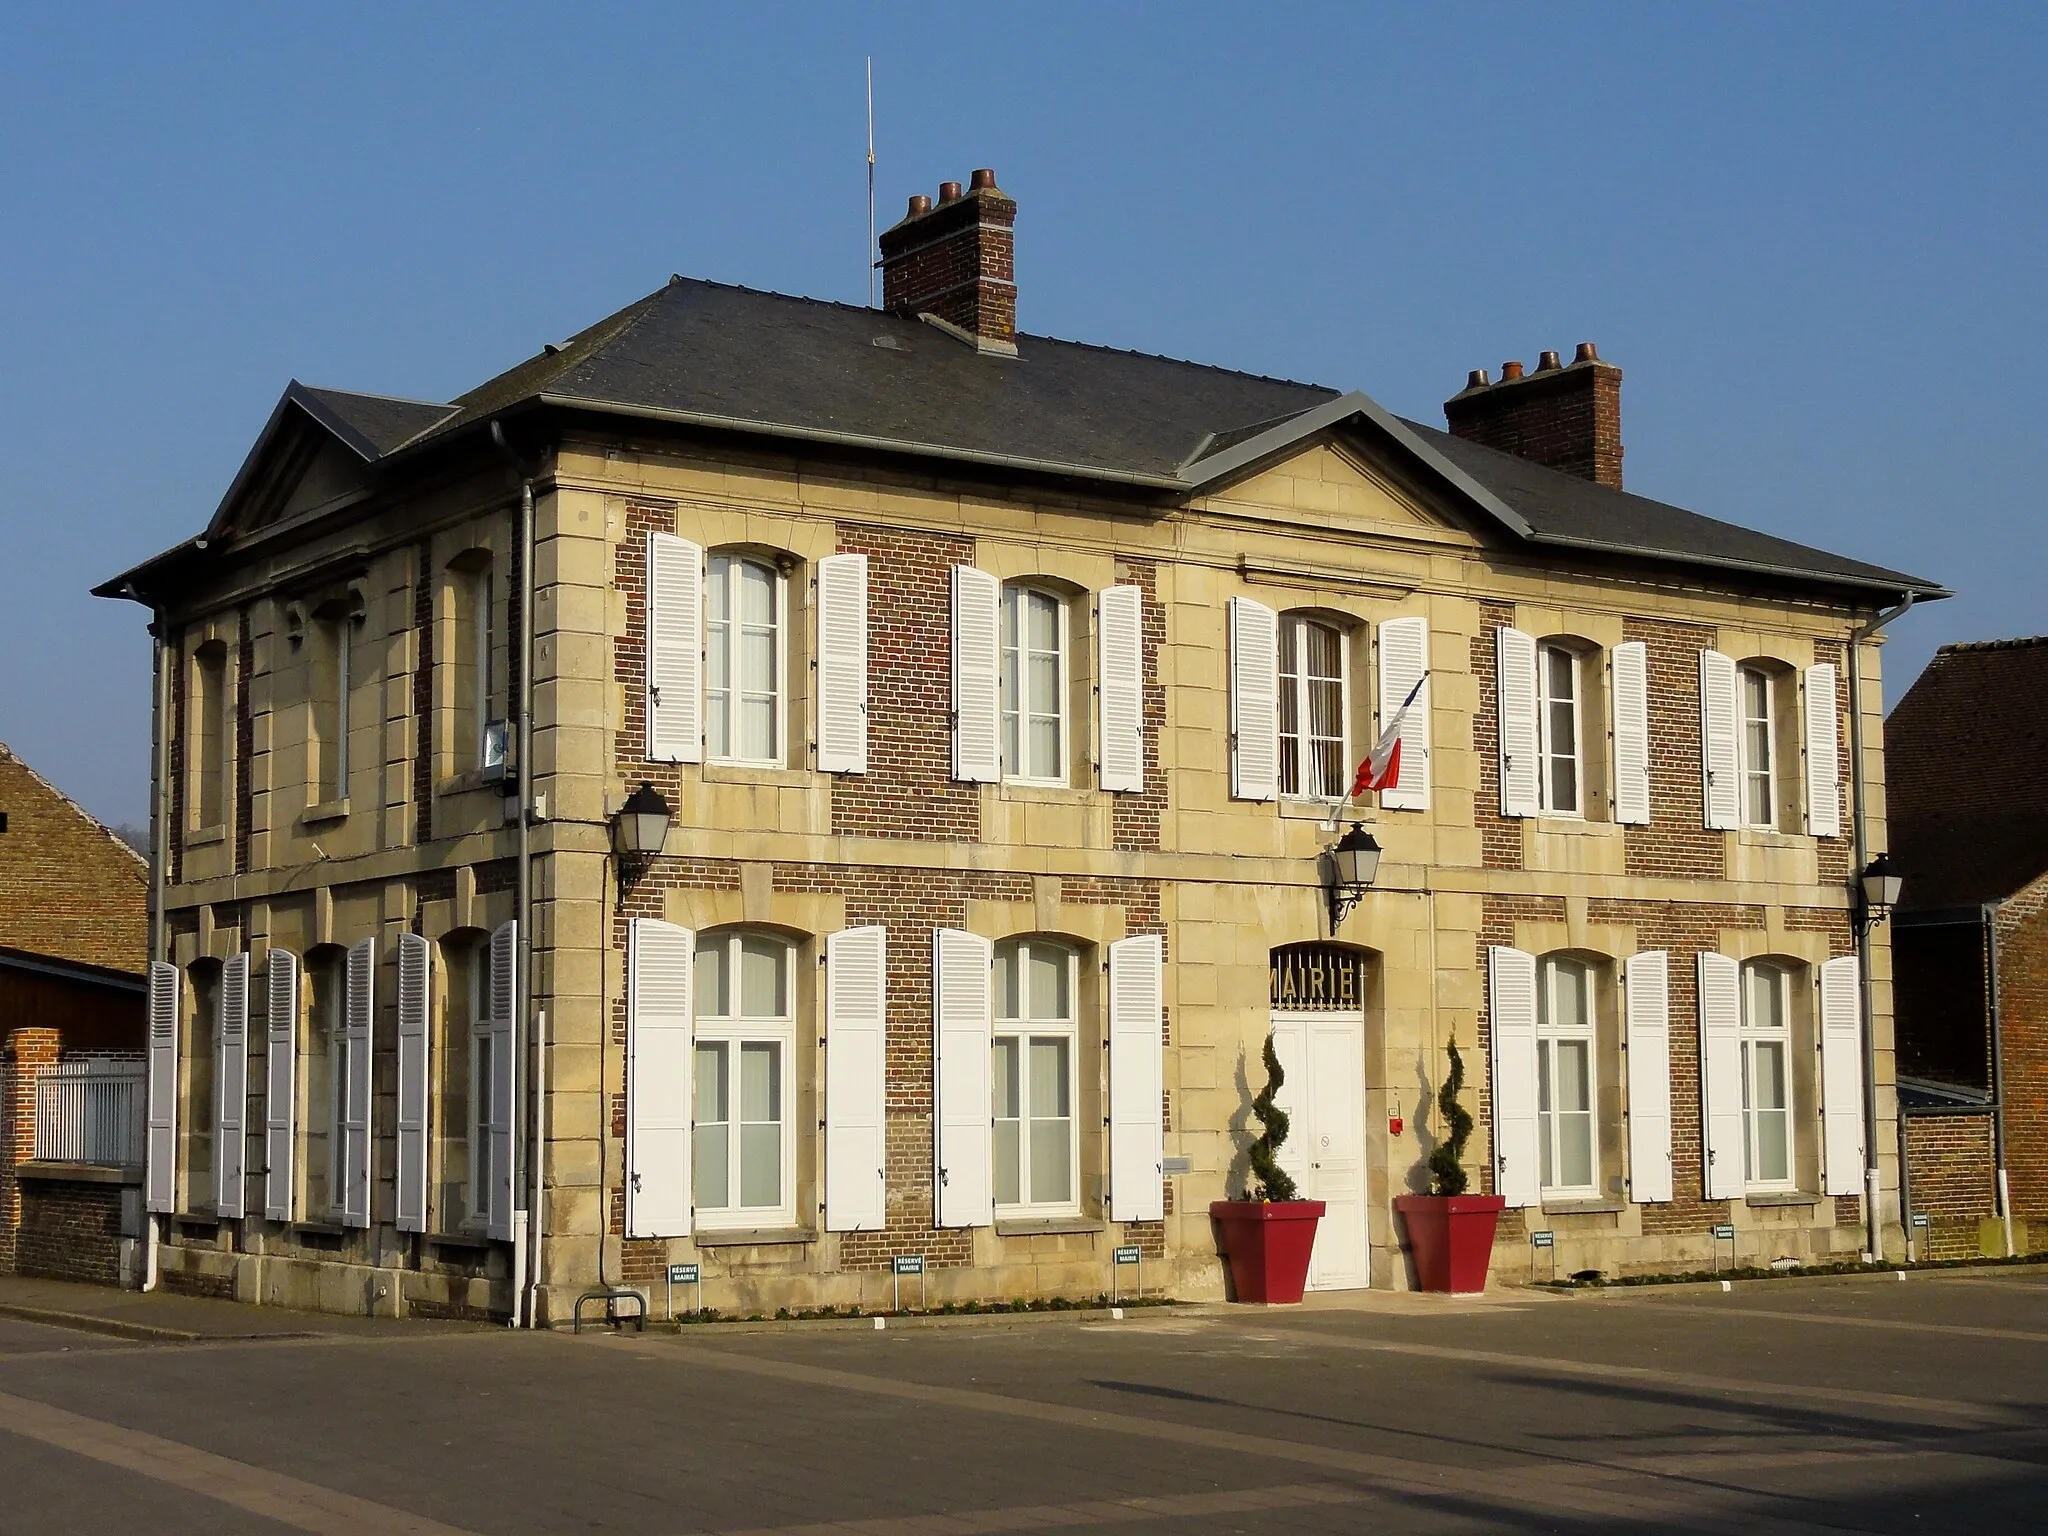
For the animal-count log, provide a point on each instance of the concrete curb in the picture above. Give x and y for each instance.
(86, 1322)
(924, 1320)
(1778, 1282)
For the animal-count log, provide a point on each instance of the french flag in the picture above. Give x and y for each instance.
(1381, 769)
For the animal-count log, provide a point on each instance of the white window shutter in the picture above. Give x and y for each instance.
(843, 664)
(1720, 740)
(1404, 661)
(1720, 998)
(1823, 760)
(675, 650)
(1120, 685)
(231, 1089)
(963, 1000)
(501, 1111)
(359, 1011)
(1511, 1009)
(660, 1014)
(1841, 1074)
(415, 1057)
(856, 1065)
(1137, 1076)
(977, 669)
(1521, 767)
(161, 1176)
(1632, 733)
(1648, 985)
(281, 1088)
(1254, 700)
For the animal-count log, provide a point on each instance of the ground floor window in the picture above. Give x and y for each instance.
(743, 1134)
(1766, 1075)
(1036, 1129)
(462, 1083)
(202, 1110)
(1564, 1077)
(320, 1147)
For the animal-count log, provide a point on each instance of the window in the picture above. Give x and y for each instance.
(1759, 749)
(330, 712)
(1034, 686)
(743, 661)
(1315, 757)
(462, 1083)
(744, 1137)
(1564, 1078)
(202, 1111)
(210, 728)
(320, 1150)
(1557, 719)
(477, 737)
(1766, 1075)
(1036, 1130)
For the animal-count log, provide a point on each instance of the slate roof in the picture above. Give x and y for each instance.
(723, 357)
(1966, 759)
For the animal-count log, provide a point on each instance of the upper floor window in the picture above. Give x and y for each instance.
(331, 681)
(744, 646)
(1034, 686)
(1766, 1075)
(478, 737)
(743, 1137)
(210, 727)
(1565, 1034)
(1315, 751)
(1559, 714)
(1759, 748)
(1036, 1046)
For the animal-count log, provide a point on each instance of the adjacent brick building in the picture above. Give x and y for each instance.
(1967, 751)
(1002, 691)
(73, 944)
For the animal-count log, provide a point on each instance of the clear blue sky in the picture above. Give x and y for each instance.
(1812, 235)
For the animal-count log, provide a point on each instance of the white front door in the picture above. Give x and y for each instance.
(1323, 1057)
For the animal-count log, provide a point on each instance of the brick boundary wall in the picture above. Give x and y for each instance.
(1952, 1179)
(70, 1231)
(27, 1053)
(2022, 929)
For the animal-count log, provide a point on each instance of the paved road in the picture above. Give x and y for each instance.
(1804, 1405)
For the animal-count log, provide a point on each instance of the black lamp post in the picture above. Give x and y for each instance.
(1877, 891)
(638, 832)
(1354, 864)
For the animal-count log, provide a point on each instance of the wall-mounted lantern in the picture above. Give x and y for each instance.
(638, 832)
(1354, 863)
(1877, 890)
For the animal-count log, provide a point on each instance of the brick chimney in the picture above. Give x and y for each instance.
(956, 261)
(1566, 418)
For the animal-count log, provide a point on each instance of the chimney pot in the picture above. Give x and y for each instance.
(1509, 372)
(1476, 379)
(1547, 363)
(919, 203)
(1569, 419)
(982, 180)
(955, 259)
(1587, 353)
(949, 192)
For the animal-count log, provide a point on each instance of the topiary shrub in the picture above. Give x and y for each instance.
(1270, 1180)
(1447, 1162)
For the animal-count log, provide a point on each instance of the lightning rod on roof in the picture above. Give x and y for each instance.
(871, 183)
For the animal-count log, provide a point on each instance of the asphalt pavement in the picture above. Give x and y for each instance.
(1857, 1404)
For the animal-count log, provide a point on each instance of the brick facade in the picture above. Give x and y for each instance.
(1949, 1164)
(70, 1231)
(2022, 927)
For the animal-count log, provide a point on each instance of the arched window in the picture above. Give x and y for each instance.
(1767, 1075)
(744, 1146)
(744, 647)
(1566, 1075)
(1559, 717)
(477, 736)
(1034, 685)
(1315, 747)
(1037, 1147)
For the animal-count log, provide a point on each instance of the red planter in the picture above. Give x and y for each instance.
(1267, 1243)
(1451, 1237)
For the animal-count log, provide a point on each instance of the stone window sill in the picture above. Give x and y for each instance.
(1584, 1207)
(1297, 808)
(321, 1228)
(1041, 794)
(475, 779)
(1047, 1226)
(458, 1239)
(205, 835)
(1574, 826)
(81, 1173)
(752, 773)
(1770, 837)
(754, 1237)
(326, 811)
(1781, 1197)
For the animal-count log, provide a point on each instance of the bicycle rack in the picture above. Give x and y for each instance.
(612, 1296)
